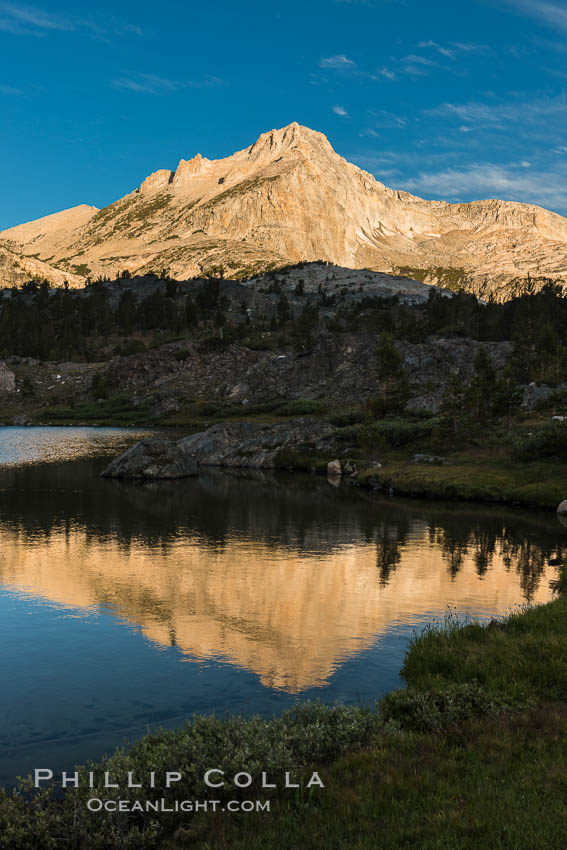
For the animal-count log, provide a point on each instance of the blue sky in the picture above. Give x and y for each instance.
(453, 101)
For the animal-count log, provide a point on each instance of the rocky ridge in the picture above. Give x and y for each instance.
(340, 368)
(16, 269)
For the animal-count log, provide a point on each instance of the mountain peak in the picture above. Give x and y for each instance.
(188, 168)
(289, 197)
(292, 136)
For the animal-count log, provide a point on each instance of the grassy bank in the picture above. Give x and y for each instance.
(498, 783)
(484, 476)
(472, 753)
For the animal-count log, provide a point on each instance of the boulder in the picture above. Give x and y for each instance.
(562, 508)
(152, 457)
(420, 458)
(7, 379)
(334, 468)
(535, 395)
(240, 445)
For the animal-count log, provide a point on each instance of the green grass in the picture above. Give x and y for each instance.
(487, 477)
(454, 279)
(499, 784)
(524, 657)
(116, 410)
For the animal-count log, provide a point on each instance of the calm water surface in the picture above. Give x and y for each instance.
(124, 605)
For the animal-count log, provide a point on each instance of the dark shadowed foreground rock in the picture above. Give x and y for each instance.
(248, 445)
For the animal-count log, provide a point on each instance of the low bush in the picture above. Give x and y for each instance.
(346, 418)
(556, 401)
(181, 355)
(547, 442)
(99, 386)
(437, 710)
(301, 407)
(309, 734)
(397, 433)
(130, 346)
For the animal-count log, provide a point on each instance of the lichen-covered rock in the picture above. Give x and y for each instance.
(152, 457)
(248, 445)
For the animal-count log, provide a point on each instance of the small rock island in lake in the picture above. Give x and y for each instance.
(242, 445)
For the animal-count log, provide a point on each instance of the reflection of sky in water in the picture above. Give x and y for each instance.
(124, 605)
(43, 443)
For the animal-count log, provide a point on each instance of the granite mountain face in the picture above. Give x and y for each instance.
(289, 197)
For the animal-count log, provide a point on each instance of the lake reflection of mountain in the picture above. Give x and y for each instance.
(285, 577)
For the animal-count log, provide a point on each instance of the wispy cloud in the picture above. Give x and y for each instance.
(339, 110)
(343, 65)
(388, 120)
(501, 115)
(21, 19)
(339, 62)
(420, 65)
(551, 14)
(451, 50)
(444, 51)
(10, 90)
(481, 180)
(387, 73)
(409, 65)
(418, 60)
(152, 84)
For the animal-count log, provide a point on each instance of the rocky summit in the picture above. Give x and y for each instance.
(289, 197)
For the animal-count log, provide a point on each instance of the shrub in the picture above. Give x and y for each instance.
(391, 434)
(370, 439)
(559, 585)
(436, 710)
(348, 434)
(181, 355)
(309, 734)
(402, 433)
(348, 417)
(548, 442)
(301, 407)
(99, 386)
(131, 346)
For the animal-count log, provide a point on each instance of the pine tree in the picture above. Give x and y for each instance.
(393, 390)
(191, 313)
(454, 419)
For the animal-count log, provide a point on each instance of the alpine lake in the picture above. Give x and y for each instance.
(125, 606)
